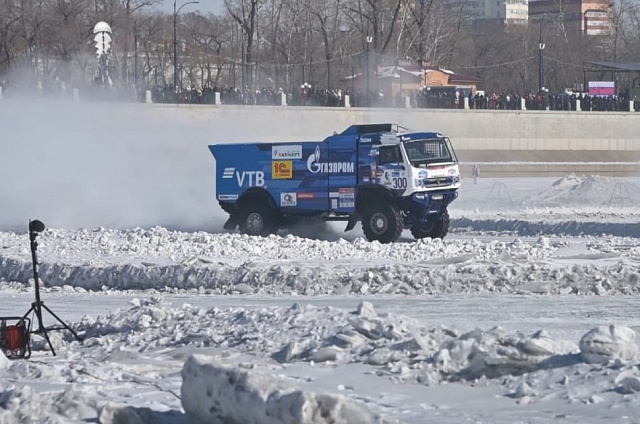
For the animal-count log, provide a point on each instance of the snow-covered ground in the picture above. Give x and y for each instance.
(527, 312)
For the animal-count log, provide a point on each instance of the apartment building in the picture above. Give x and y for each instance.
(590, 17)
(486, 12)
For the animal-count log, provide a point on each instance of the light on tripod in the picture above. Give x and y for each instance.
(14, 339)
(36, 226)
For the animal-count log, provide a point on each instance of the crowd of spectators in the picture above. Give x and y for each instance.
(507, 101)
(309, 96)
(263, 96)
(423, 98)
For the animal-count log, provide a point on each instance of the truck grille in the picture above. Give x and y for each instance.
(438, 182)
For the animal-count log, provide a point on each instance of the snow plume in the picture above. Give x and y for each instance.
(99, 164)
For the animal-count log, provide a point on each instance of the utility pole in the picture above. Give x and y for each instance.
(541, 59)
(175, 43)
(135, 55)
(369, 39)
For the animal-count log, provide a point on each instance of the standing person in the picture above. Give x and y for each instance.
(476, 173)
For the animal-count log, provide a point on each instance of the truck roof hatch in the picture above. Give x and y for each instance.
(367, 128)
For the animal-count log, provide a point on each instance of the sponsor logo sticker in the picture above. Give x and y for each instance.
(286, 152)
(306, 196)
(228, 173)
(315, 165)
(228, 197)
(288, 199)
(347, 198)
(282, 170)
(254, 178)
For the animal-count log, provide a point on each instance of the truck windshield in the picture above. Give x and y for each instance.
(424, 152)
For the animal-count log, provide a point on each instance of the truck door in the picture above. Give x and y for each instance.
(309, 192)
(342, 173)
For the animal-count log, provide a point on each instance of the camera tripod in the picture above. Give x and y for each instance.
(36, 227)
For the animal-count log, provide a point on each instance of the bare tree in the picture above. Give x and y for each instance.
(328, 15)
(210, 40)
(245, 13)
(431, 32)
(9, 36)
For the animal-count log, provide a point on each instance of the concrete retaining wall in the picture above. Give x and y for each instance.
(605, 143)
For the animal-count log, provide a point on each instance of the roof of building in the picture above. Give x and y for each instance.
(618, 66)
(417, 72)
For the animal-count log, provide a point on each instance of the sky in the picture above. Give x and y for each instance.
(205, 6)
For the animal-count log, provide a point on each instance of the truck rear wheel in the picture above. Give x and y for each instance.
(382, 223)
(257, 220)
(437, 229)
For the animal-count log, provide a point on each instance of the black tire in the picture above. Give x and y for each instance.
(257, 219)
(383, 223)
(437, 229)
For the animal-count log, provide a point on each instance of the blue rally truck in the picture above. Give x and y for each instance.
(383, 175)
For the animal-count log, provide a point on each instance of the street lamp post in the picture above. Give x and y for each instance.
(305, 89)
(369, 39)
(175, 43)
(541, 60)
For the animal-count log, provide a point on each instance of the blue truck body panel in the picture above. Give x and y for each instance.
(302, 176)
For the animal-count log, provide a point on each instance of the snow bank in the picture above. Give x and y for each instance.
(573, 205)
(4, 362)
(606, 343)
(394, 343)
(25, 404)
(135, 349)
(574, 190)
(104, 260)
(396, 346)
(397, 343)
(216, 394)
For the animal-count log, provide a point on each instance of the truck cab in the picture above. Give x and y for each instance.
(385, 176)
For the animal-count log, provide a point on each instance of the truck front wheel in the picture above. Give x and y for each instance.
(382, 223)
(437, 229)
(257, 220)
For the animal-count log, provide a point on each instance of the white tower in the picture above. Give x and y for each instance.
(102, 39)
